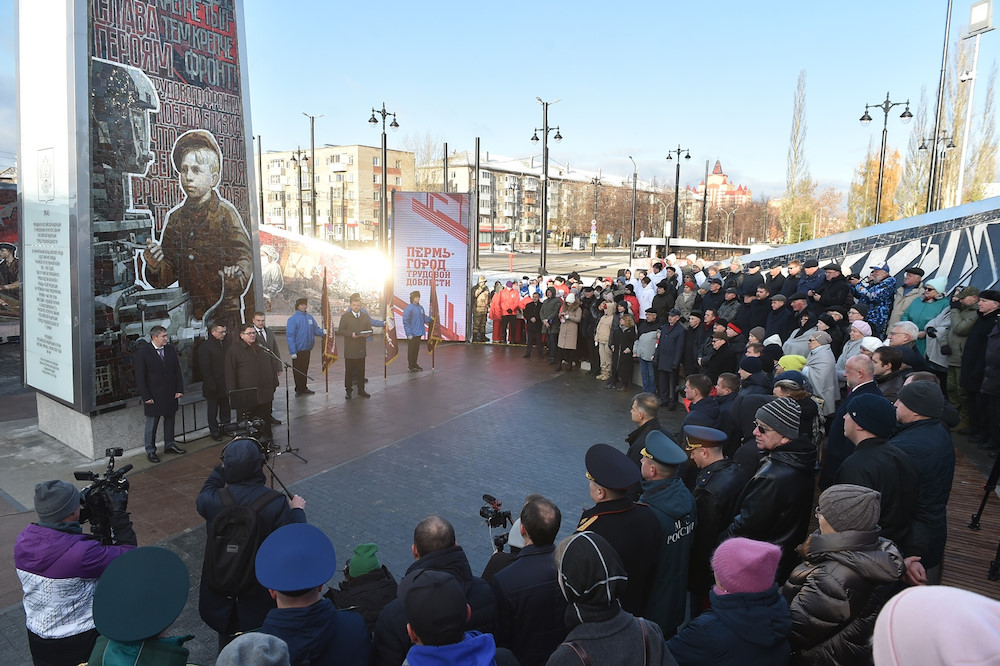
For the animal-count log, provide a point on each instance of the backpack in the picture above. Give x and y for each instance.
(233, 539)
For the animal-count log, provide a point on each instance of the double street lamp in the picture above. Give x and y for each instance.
(866, 119)
(677, 188)
(383, 206)
(940, 144)
(545, 174)
(298, 158)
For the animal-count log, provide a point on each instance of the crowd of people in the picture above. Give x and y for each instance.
(704, 545)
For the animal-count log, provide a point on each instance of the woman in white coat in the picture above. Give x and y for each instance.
(821, 370)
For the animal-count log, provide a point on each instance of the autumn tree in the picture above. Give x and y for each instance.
(863, 192)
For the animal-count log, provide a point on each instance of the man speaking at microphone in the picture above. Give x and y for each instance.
(249, 367)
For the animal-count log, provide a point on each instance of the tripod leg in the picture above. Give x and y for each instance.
(991, 486)
(994, 573)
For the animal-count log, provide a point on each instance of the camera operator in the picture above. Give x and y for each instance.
(250, 367)
(59, 565)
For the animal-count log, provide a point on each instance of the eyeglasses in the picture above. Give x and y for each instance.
(762, 428)
(929, 289)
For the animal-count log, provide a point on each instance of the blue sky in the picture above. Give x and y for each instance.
(634, 79)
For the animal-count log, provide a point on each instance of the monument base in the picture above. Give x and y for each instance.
(91, 435)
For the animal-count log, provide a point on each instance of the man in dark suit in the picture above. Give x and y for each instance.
(212, 361)
(860, 381)
(356, 326)
(248, 367)
(266, 339)
(160, 383)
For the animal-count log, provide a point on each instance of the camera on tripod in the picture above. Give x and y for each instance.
(104, 496)
(246, 427)
(497, 518)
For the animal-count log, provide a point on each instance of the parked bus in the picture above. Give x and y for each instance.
(649, 248)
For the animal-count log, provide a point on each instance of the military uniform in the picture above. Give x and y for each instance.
(481, 307)
(632, 529)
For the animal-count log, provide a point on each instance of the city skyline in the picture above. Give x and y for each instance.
(633, 81)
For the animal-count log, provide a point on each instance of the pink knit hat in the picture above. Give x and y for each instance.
(745, 565)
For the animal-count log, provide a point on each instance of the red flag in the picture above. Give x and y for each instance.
(330, 339)
(391, 341)
(434, 332)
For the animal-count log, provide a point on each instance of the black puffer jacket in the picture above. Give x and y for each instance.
(836, 594)
(777, 502)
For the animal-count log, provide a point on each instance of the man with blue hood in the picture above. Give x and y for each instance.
(239, 480)
(294, 563)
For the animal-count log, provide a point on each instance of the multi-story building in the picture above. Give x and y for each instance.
(722, 191)
(348, 181)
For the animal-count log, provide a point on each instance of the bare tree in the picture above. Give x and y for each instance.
(911, 195)
(799, 186)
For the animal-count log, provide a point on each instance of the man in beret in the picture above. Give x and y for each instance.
(878, 294)
(869, 422)
(137, 598)
(301, 332)
(974, 365)
(434, 550)
(906, 294)
(717, 487)
(673, 504)
(293, 563)
(924, 439)
(437, 615)
(415, 322)
(58, 566)
(632, 529)
(776, 504)
(204, 246)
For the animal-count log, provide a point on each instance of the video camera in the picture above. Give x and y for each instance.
(496, 518)
(247, 427)
(105, 496)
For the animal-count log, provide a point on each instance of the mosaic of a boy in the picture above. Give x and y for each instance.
(204, 242)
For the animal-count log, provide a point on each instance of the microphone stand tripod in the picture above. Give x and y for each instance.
(288, 422)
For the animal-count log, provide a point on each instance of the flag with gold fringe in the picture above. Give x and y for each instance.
(434, 332)
(330, 339)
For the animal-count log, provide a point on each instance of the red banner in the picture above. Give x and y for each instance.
(330, 339)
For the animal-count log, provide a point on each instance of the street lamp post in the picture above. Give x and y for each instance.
(297, 159)
(939, 145)
(596, 182)
(635, 181)
(312, 176)
(677, 189)
(866, 119)
(980, 21)
(383, 206)
(545, 175)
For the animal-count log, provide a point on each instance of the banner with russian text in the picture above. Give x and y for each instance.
(430, 239)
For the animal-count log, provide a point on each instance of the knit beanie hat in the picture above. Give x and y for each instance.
(783, 415)
(744, 565)
(862, 308)
(924, 398)
(751, 364)
(364, 560)
(872, 344)
(864, 327)
(828, 319)
(54, 500)
(822, 337)
(254, 648)
(792, 362)
(759, 333)
(939, 284)
(873, 413)
(849, 507)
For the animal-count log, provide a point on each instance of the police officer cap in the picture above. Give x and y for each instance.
(140, 594)
(662, 449)
(611, 468)
(697, 436)
(295, 557)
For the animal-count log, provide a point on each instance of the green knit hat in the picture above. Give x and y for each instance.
(364, 560)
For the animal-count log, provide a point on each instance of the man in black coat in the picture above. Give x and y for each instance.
(860, 373)
(160, 382)
(668, 357)
(751, 279)
(776, 504)
(530, 604)
(433, 548)
(533, 325)
(719, 484)
(835, 290)
(212, 361)
(774, 279)
(632, 529)
(869, 422)
(267, 339)
(722, 359)
(248, 367)
(242, 473)
(355, 327)
(974, 362)
(780, 320)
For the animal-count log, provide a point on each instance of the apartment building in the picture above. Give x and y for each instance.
(348, 182)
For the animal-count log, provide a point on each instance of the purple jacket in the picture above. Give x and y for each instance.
(59, 572)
